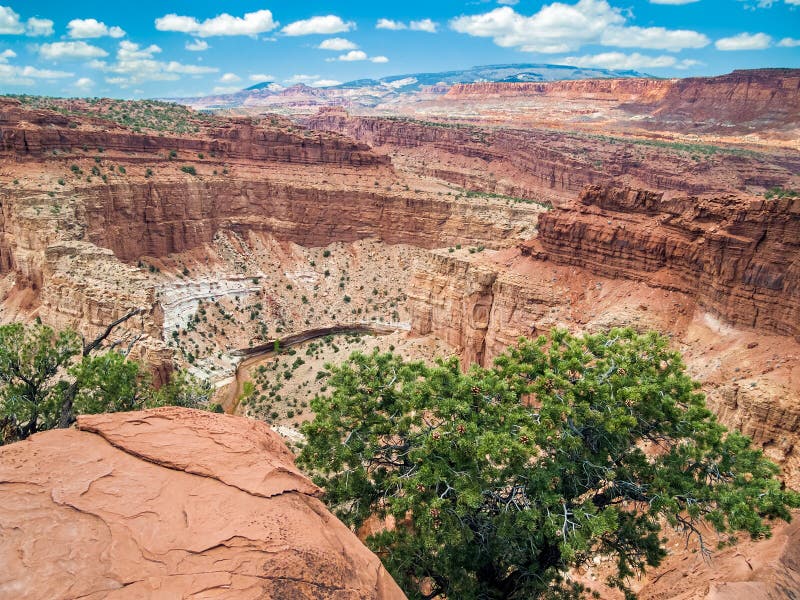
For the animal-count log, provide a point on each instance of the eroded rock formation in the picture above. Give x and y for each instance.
(172, 503)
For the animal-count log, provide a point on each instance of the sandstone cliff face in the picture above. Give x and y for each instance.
(739, 101)
(747, 100)
(36, 133)
(172, 503)
(614, 90)
(156, 219)
(738, 257)
(544, 164)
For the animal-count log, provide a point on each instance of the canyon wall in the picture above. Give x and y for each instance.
(737, 256)
(551, 165)
(614, 90)
(741, 100)
(26, 132)
(155, 219)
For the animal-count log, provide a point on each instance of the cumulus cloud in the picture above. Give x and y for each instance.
(338, 44)
(379, 59)
(744, 41)
(229, 78)
(559, 27)
(70, 51)
(92, 28)
(654, 38)
(421, 25)
(258, 77)
(14, 75)
(353, 55)
(622, 61)
(135, 65)
(84, 83)
(36, 27)
(11, 24)
(250, 24)
(789, 43)
(318, 25)
(424, 25)
(197, 45)
(390, 25)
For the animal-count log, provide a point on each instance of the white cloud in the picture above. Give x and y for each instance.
(424, 25)
(325, 83)
(509, 2)
(11, 24)
(312, 80)
(673, 2)
(229, 78)
(654, 38)
(135, 65)
(6, 54)
(379, 59)
(789, 43)
(70, 50)
(39, 27)
(559, 27)
(390, 25)
(337, 44)
(92, 28)
(43, 73)
(258, 77)
(197, 45)
(354, 55)
(250, 24)
(744, 41)
(318, 25)
(9, 21)
(301, 79)
(84, 83)
(621, 61)
(421, 25)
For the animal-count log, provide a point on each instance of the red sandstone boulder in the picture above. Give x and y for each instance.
(172, 503)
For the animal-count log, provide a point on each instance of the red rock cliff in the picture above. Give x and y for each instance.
(739, 257)
(172, 503)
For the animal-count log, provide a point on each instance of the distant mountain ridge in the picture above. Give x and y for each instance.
(508, 73)
(369, 93)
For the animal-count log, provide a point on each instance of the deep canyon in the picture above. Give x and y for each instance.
(459, 235)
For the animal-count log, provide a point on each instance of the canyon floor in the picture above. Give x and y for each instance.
(457, 223)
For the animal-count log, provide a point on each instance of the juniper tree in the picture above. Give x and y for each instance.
(498, 480)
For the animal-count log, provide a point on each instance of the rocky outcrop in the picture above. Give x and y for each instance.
(745, 100)
(25, 132)
(739, 101)
(156, 219)
(614, 90)
(172, 503)
(550, 165)
(739, 257)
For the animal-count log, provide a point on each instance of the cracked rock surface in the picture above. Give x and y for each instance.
(172, 503)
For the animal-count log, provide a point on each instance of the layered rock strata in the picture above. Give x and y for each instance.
(172, 503)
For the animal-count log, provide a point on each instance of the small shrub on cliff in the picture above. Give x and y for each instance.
(47, 377)
(501, 479)
(189, 169)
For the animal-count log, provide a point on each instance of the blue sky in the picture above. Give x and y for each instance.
(174, 48)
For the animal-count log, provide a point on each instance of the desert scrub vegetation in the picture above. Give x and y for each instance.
(138, 115)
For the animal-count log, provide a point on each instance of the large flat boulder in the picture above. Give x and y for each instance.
(172, 503)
